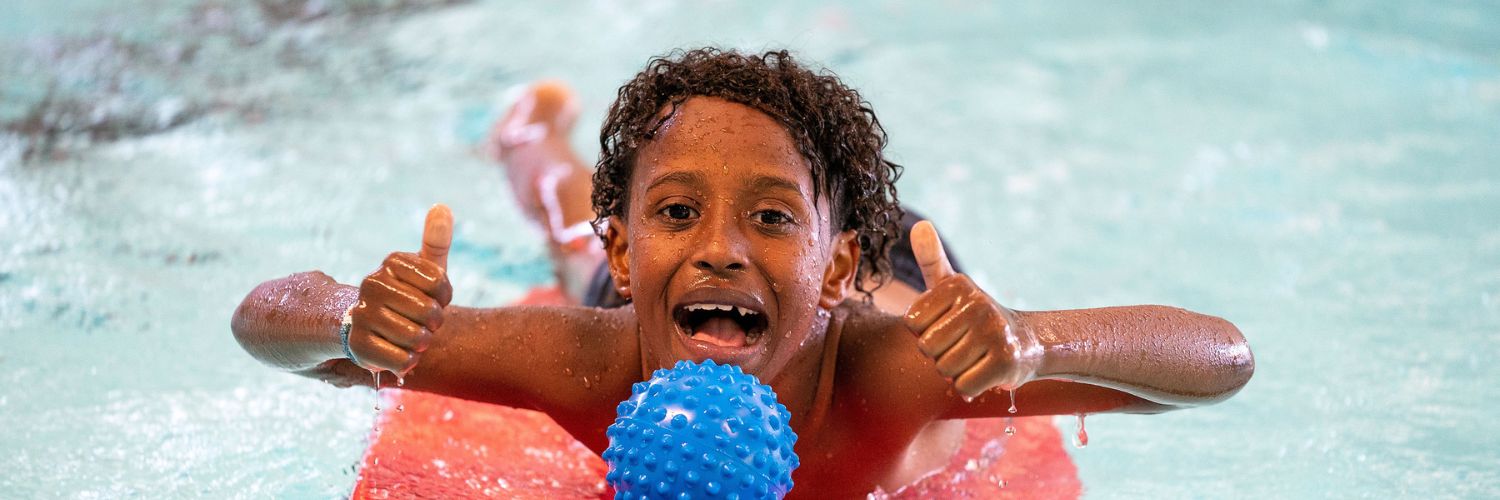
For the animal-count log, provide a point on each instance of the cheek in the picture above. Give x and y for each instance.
(653, 258)
(803, 266)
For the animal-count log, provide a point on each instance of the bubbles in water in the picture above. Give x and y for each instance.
(1082, 439)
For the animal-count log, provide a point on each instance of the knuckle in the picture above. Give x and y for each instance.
(957, 282)
(925, 345)
(423, 340)
(394, 259)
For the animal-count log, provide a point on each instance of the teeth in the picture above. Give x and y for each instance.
(720, 307)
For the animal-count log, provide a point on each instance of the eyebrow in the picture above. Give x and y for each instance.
(689, 178)
(694, 179)
(766, 182)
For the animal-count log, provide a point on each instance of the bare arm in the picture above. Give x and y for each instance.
(1133, 359)
(1136, 359)
(292, 323)
(1163, 354)
(509, 355)
(574, 363)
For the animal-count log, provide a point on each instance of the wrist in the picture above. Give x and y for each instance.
(1031, 355)
(1059, 355)
(341, 311)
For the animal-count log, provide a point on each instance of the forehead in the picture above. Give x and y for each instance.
(708, 132)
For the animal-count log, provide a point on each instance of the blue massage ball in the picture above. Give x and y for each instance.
(701, 431)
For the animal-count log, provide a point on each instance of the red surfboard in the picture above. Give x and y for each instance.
(430, 446)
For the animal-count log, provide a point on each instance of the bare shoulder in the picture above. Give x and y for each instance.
(881, 370)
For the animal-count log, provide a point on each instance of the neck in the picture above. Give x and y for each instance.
(806, 385)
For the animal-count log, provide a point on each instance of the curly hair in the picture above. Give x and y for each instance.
(835, 129)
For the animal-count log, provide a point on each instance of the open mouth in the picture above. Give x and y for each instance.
(721, 324)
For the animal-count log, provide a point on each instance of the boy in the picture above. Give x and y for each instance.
(744, 206)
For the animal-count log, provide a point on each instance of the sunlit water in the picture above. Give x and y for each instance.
(1324, 177)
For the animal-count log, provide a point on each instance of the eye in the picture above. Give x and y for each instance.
(678, 212)
(771, 217)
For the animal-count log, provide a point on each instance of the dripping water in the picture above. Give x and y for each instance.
(1082, 439)
(376, 374)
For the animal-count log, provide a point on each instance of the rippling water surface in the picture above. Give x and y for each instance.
(1325, 177)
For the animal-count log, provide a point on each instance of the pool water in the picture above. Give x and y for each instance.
(1324, 176)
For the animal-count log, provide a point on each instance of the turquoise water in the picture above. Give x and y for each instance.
(1323, 176)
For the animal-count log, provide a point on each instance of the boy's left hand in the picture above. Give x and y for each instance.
(976, 342)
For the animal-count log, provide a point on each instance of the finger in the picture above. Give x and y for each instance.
(404, 299)
(437, 235)
(400, 331)
(964, 353)
(983, 375)
(375, 353)
(931, 257)
(944, 333)
(425, 276)
(933, 304)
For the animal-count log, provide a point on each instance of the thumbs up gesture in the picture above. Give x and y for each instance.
(401, 303)
(974, 341)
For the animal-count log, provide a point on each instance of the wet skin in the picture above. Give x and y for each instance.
(722, 211)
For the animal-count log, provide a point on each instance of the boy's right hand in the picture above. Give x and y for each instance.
(401, 304)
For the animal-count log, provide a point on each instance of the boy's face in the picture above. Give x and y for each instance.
(723, 249)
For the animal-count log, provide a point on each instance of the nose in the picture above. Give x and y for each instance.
(721, 249)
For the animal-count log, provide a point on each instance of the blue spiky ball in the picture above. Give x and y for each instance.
(701, 431)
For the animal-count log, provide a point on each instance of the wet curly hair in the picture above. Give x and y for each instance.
(835, 129)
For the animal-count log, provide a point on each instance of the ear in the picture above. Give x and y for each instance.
(617, 251)
(839, 276)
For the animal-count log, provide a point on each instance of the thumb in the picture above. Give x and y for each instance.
(437, 235)
(930, 255)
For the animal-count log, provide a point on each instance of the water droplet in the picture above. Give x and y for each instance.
(1082, 439)
(400, 381)
(568, 371)
(1000, 481)
(1012, 401)
(1010, 428)
(376, 374)
(400, 408)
